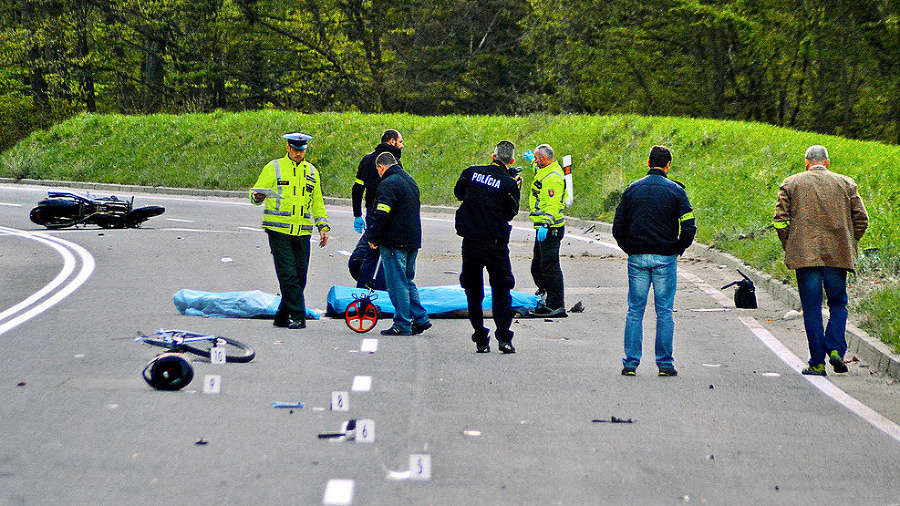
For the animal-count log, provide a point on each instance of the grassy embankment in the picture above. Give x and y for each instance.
(732, 170)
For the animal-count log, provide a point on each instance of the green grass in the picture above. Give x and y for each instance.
(732, 170)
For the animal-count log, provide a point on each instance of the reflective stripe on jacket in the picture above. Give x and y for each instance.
(548, 196)
(820, 219)
(654, 216)
(301, 205)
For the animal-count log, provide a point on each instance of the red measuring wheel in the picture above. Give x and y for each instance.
(361, 315)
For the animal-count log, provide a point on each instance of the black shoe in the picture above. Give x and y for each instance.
(297, 324)
(506, 348)
(394, 332)
(482, 342)
(837, 361)
(541, 310)
(629, 371)
(418, 329)
(668, 371)
(559, 312)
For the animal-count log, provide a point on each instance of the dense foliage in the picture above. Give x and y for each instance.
(820, 65)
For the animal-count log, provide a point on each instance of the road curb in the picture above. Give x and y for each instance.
(859, 342)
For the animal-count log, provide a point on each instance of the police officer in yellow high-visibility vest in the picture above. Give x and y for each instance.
(292, 191)
(547, 201)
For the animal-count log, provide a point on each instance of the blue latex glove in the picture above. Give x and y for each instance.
(528, 155)
(541, 234)
(359, 224)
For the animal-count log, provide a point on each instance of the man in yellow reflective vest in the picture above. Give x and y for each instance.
(292, 192)
(547, 201)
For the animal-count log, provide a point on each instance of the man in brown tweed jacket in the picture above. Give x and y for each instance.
(820, 219)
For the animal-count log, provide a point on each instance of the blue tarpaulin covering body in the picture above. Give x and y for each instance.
(252, 304)
(441, 301)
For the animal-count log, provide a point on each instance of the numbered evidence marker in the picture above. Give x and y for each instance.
(217, 355)
(420, 467)
(365, 431)
(340, 401)
(212, 384)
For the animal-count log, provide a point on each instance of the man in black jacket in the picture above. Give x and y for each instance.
(490, 199)
(395, 229)
(364, 259)
(654, 223)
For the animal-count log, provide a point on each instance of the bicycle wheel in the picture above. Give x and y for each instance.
(361, 315)
(235, 351)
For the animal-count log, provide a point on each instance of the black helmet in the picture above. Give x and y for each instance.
(169, 371)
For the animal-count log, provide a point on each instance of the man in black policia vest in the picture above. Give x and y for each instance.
(364, 259)
(292, 191)
(490, 199)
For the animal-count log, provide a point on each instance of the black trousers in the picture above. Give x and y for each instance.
(545, 269)
(494, 256)
(291, 255)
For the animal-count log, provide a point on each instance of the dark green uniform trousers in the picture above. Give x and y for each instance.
(291, 255)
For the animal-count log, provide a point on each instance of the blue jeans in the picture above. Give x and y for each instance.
(822, 340)
(399, 271)
(660, 271)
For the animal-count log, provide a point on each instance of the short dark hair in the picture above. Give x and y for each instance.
(660, 156)
(385, 159)
(390, 135)
(505, 152)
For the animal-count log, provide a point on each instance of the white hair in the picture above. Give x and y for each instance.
(546, 150)
(816, 153)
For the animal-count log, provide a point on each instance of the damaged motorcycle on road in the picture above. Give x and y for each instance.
(63, 209)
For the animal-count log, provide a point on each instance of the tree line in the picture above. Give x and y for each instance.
(828, 66)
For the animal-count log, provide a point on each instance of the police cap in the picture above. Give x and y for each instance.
(297, 140)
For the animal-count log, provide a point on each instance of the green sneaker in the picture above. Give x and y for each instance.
(814, 370)
(837, 361)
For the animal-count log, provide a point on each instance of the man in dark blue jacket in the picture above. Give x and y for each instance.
(490, 199)
(395, 228)
(654, 223)
(364, 259)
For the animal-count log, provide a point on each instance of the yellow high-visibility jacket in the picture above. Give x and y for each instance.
(301, 199)
(548, 196)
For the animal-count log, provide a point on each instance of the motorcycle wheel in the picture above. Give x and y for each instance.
(142, 214)
(56, 213)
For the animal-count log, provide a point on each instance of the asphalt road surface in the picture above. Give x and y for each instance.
(78, 425)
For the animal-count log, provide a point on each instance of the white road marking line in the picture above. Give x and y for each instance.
(794, 362)
(203, 230)
(708, 289)
(87, 268)
(10, 205)
(180, 220)
(68, 268)
(361, 384)
(338, 492)
(369, 345)
(826, 387)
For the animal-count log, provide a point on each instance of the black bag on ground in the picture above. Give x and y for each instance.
(745, 295)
